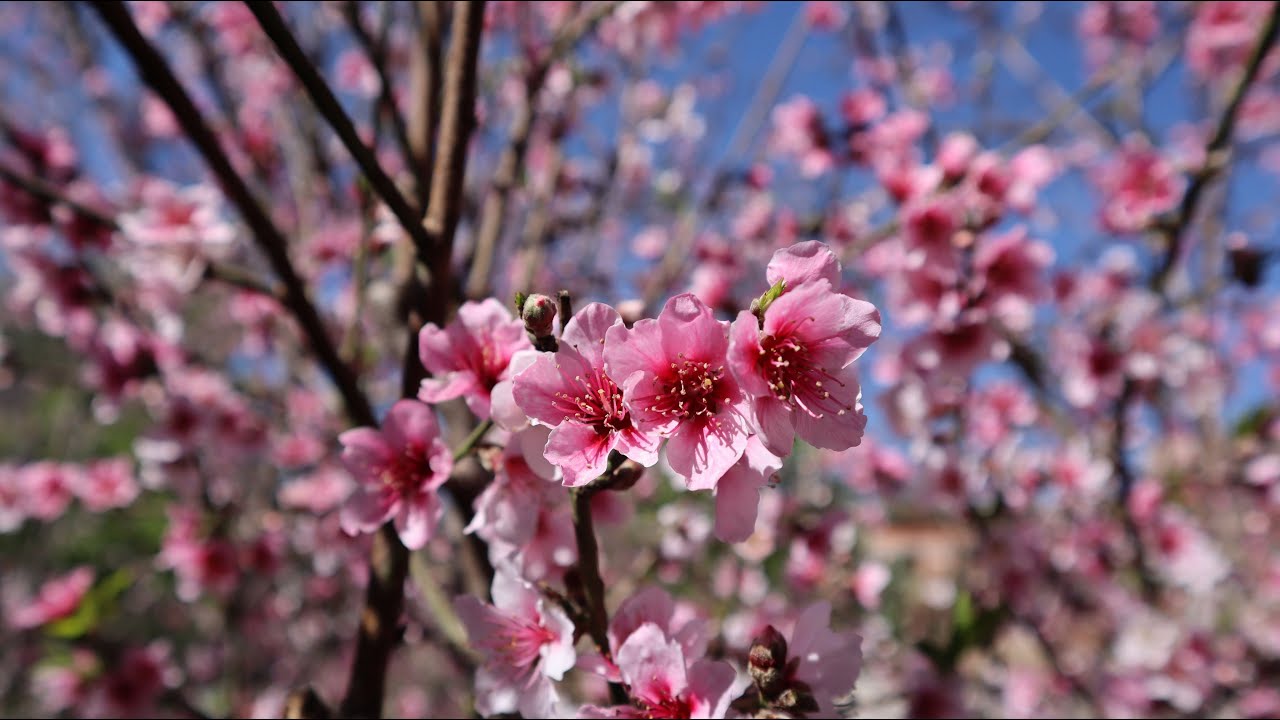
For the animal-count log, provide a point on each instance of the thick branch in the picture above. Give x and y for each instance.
(156, 73)
(379, 631)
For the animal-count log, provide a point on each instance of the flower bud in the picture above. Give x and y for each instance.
(539, 314)
(767, 662)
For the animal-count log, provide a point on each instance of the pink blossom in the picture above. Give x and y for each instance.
(571, 392)
(676, 384)
(661, 683)
(398, 469)
(798, 132)
(650, 606)
(57, 599)
(522, 483)
(797, 364)
(526, 641)
(1137, 185)
(107, 484)
(471, 355)
(200, 564)
(48, 488)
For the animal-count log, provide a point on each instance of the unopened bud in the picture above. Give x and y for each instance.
(1247, 261)
(767, 662)
(539, 314)
(626, 475)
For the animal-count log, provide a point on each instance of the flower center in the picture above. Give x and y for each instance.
(597, 403)
(688, 390)
(519, 643)
(406, 472)
(665, 704)
(795, 379)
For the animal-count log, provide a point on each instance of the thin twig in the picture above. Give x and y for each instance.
(1216, 154)
(156, 73)
(331, 110)
(511, 163)
(376, 52)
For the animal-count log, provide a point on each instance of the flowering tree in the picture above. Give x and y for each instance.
(632, 359)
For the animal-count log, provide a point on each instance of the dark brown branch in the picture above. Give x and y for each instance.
(1216, 155)
(597, 617)
(156, 73)
(1119, 439)
(329, 107)
(379, 631)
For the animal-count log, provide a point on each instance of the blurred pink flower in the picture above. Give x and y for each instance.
(398, 469)
(526, 641)
(471, 355)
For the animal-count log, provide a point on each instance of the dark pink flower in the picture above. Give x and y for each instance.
(675, 383)
(399, 469)
(797, 364)
(471, 355)
(571, 392)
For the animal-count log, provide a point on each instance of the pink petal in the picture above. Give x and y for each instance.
(586, 331)
(639, 446)
(579, 451)
(417, 520)
(364, 453)
(366, 510)
(410, 422)
(449, 386)
(650, 605)
(637, 350)
(710, 682)
(536, 387)
(737, 503)
(803, 262)
(703, 453)
(774, 425)
(690, 329)
(744, 352)
(652, 665)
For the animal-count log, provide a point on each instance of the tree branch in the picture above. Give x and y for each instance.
(331, 110)
(1216, 154)
(511, 164)
(379, 631)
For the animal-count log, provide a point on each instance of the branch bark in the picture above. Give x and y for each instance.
(1216, 154)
